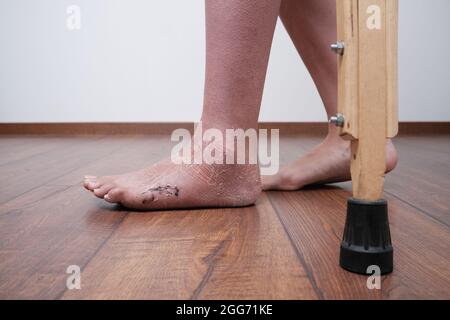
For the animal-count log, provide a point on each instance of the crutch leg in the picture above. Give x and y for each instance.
(367, 62)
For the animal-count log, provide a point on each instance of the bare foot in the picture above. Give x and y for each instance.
(329, 162)
(169, 186)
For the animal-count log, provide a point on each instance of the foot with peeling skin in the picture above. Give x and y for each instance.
(170, 186)
(329, 162)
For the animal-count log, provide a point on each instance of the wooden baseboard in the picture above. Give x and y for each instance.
(139, 128)
(406, 128)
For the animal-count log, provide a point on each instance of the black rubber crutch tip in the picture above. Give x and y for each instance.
(367, 238)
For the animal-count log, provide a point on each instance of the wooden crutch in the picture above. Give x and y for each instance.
(367, 89)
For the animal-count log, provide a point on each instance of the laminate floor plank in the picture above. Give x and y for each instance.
(44, 232)
(15, 148)
(315, 219)
(284, 247)
(22, 176)
(198, 254)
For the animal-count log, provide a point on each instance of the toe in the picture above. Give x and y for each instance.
(114, 195)
(101, 191)
(97, 183)
(89, 183)
(92, 185)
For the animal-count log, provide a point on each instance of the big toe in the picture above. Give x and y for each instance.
(90, 183)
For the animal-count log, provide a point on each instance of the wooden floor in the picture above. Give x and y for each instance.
(284, 247)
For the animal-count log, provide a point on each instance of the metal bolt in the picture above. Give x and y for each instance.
(338, 120)
(338, 48)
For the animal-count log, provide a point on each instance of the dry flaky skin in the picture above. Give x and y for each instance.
(238, 41)
(169, 186)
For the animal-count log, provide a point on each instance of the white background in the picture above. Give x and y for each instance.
(143, 61)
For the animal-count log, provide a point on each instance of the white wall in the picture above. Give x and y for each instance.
(142, 60)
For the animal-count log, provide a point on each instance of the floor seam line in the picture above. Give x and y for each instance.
(59, 296)
(428, 215)
(300, 257)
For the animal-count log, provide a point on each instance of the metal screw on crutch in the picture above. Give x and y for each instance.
(338, 47)
(338, 120)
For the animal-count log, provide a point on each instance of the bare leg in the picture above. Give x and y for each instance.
(238, 40)
(311, 25)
